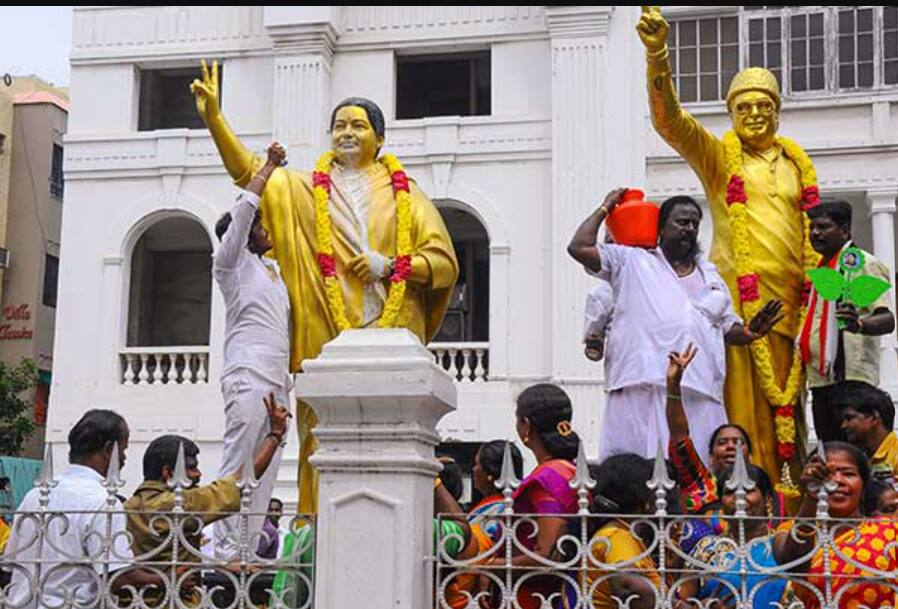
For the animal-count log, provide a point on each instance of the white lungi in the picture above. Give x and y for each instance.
(634, 421)
(246, 425)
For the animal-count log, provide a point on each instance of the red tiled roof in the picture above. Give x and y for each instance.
(41, 97)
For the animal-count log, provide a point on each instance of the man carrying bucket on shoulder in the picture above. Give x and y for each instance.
(666, 295)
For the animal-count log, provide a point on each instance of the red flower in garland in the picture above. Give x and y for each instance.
(785, 411)
(810, 197)
(321, 179)
(736, 190)
(748, 287)
(402, 268)
(327, 265)
(399, 180)
(785, 451)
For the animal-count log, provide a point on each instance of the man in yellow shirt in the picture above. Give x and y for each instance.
(868, 418)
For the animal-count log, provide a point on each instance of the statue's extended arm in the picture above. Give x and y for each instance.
(237, 158)
(679, 129)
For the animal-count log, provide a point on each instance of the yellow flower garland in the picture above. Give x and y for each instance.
(323, 232)
(781, 399)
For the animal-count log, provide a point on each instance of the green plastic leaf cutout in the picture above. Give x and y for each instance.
(828, 282)
(864, 290)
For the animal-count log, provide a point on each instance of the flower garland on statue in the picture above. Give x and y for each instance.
(402, 267)
(783, 400)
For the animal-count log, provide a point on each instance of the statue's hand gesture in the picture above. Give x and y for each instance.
(370, 267)
(652, 28)
(206, 93)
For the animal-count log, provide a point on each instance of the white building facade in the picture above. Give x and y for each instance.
(140, 325)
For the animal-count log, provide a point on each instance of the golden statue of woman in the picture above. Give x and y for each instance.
(349, 243)
(757, 185)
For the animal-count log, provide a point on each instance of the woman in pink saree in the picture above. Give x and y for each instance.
(544, 426)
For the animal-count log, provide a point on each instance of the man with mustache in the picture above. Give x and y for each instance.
(868, 422)
(831, 354)
(665, 297)
(155, 498)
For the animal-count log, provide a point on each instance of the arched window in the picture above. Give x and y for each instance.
(171, 285)
(468, 316)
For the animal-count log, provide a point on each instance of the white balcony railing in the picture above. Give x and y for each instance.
(465, 362)
(164, 365)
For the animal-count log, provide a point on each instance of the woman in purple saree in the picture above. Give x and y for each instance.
(544, 426)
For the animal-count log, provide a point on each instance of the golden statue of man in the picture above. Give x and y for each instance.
(757, 185)
(351, 247)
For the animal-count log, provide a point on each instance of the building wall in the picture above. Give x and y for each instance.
(34, 220)
(569, 122)
(6, 131)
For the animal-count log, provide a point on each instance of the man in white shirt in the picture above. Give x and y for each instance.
(665, 297)
(257, 344)
(82, 537)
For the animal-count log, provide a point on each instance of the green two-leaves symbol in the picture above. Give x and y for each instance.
(861, 291)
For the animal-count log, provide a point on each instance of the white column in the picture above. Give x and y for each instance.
(579, 36)
(114, 303)
(378, 395)
(303, 40)
(598, 107)
(500, 256)
(882, 216)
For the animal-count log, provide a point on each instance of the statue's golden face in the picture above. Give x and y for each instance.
(755, 119)
(353, 139)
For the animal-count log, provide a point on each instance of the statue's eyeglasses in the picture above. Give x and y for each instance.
(764, 107)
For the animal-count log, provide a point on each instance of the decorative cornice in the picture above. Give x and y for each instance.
(578, 21)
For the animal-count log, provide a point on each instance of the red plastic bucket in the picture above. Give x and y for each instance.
(634, 221)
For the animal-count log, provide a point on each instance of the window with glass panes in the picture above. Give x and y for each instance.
(890, 44)
(810, 49)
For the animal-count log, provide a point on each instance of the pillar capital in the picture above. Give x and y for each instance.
(578, 21)
(881, 200)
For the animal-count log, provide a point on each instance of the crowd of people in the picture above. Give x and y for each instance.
(718, 385)
(854, 562)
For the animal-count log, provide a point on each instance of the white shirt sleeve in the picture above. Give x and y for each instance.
(234, 240)
(613, 258)
(599, 306)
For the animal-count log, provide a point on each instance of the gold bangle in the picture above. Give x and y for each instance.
(805, 535)
(661, 54)
(437, 482)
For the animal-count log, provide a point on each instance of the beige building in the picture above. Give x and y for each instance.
(33, 119)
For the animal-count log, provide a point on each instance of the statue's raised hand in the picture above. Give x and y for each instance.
(652, 28)
(206, 93)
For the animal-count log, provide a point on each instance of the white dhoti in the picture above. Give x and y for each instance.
(634, 421)
(246, 425)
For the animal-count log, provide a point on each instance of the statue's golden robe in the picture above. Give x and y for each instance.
(288, 213)
(773, 186)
